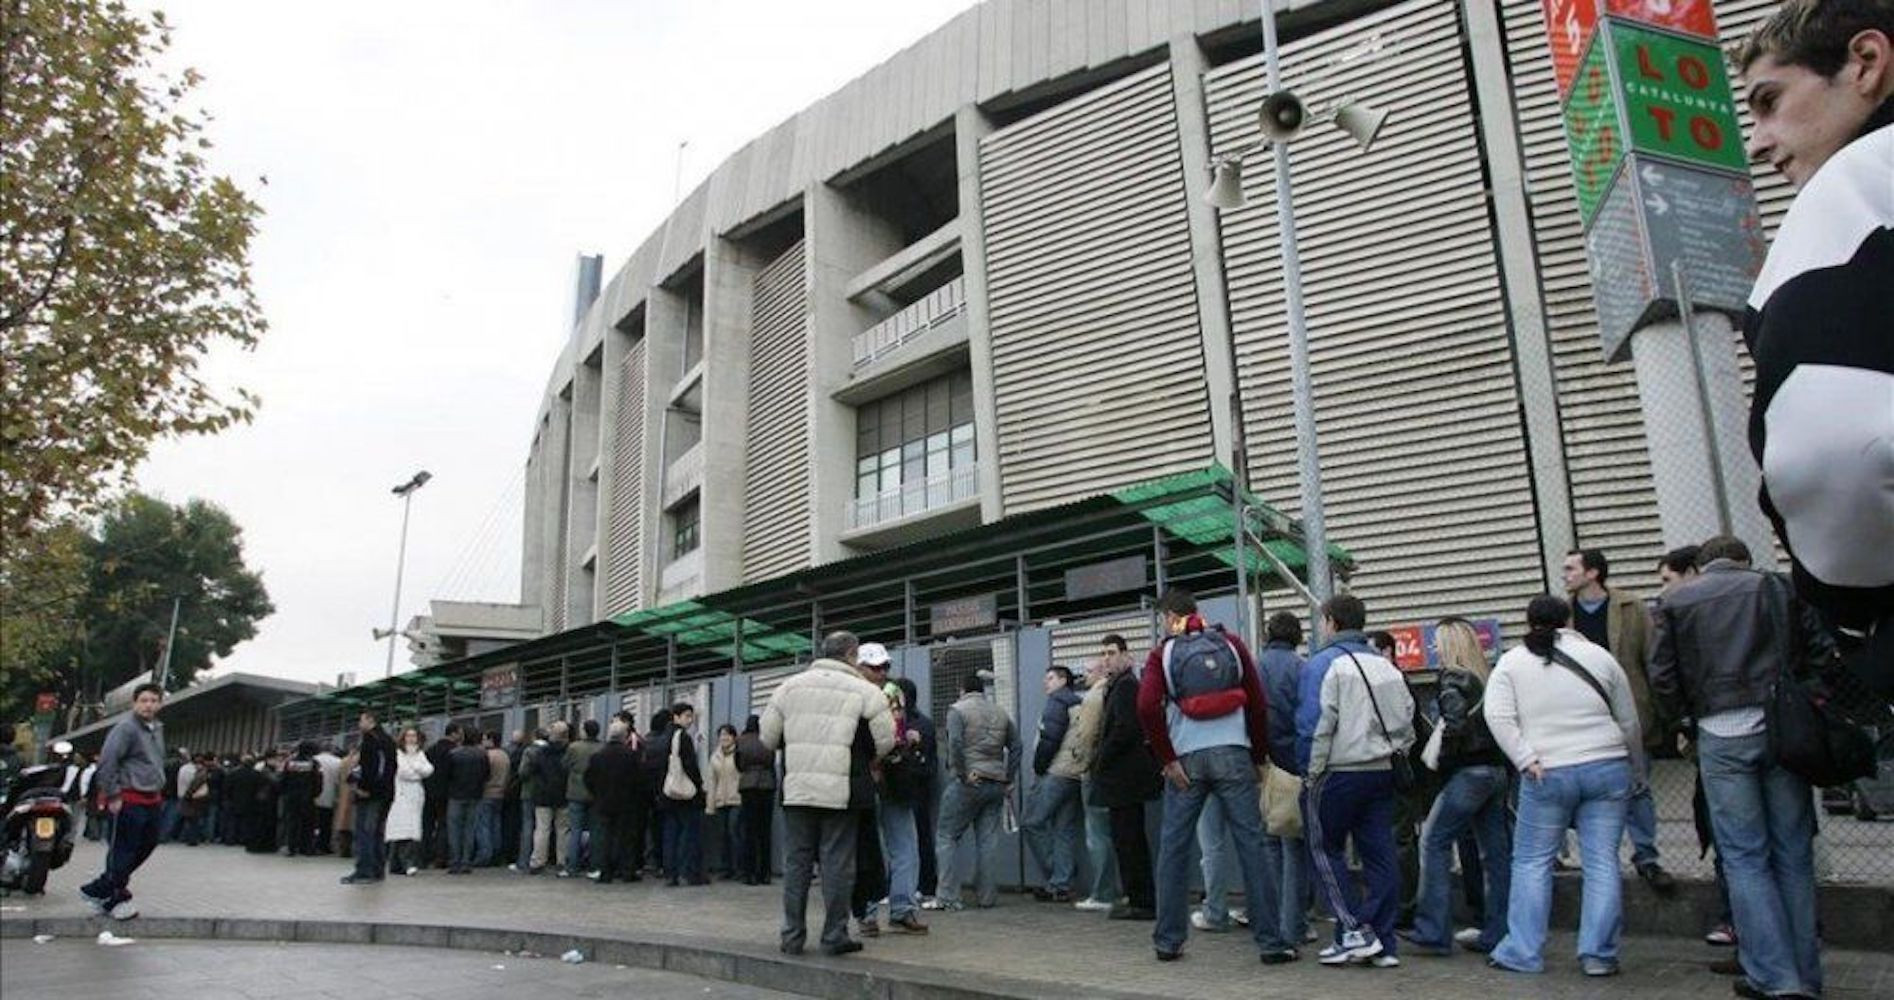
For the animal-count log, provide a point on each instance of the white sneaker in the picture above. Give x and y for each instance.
(1385, 962)
(1355, 946)
(1467, 935)
(1202, 923)
(1092, 906)
(1239, 916)
(123, 911)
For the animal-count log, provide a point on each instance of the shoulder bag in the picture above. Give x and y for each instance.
(678, 785)
(1398, 761)
(1809, 735)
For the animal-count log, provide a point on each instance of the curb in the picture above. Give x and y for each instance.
(815, 976)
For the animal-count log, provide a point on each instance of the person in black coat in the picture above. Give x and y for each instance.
(653, 759)
(615, 778)
(1124, 778)
(302, 782)
(434, 848)
(682, 819)
(927, 804)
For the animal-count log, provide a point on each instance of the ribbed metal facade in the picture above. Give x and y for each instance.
(1423, 456)
(1097, 361)
(776, 523)
(1075, 643)
(624, 553)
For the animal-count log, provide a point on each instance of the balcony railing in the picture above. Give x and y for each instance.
(938, 308)
(932, 493)
(684, 474)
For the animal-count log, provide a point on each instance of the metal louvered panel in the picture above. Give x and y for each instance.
(764, 682)
(1607, 454)
(1093, 314)
(624, 576)
(776, 474)
(1424, 468)
(1074, 643)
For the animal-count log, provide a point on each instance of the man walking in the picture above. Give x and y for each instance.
(1353, 713)
(982, 760)
(1054, 820)
(1615, 619)
(131, 780)
(1722, 642)
(812, 718)
(1201, 703)
(373, 788)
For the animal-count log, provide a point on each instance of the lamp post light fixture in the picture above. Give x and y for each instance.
(406, 492)
(1280, 118)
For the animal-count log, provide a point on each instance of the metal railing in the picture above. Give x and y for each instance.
(934, 492)
(937, 308)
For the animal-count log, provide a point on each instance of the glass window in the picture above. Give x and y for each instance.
(936, 454)
(684, 538)
(921, 432)
(890, 469)
(963, 446)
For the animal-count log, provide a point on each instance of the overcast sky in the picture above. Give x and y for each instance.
(433, 171)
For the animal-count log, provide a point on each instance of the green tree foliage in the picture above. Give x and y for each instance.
(142, 554)
(122, 258)
(41, 582)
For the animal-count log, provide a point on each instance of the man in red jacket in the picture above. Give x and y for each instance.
(1201, 704)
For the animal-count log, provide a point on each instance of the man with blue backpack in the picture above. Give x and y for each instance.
(1201, 703)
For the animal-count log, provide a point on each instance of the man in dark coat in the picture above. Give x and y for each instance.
(616, 781)
(302, 782)
(927, 803)
(1124, 778)
(434, 848)
(372, 783)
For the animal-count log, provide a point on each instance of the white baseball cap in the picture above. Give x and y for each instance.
(872, 654)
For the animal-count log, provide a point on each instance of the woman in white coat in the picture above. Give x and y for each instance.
(404, 817)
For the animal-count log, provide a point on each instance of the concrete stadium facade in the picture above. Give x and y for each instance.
(980, 280)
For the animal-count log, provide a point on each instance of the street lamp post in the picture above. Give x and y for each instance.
(406, 492)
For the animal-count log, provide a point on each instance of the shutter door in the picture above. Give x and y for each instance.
(624, 553)
(1093, 311)
(1424, 471)
(776, 473)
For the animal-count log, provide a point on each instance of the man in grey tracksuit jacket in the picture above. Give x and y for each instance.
(131, 780)
(982, 757)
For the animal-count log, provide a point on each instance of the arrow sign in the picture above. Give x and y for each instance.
(1657, 203)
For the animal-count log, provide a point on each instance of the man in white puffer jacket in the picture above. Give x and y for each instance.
(815, 718)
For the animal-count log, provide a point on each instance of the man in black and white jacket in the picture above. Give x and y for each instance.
(1820, 323)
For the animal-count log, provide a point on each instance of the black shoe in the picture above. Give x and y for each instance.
(790, 949)
(1283, 957)
(1727, 967)
(1131, 913)
(1658, 879)
(1745, 988)
(1168, 956)
(848, 947)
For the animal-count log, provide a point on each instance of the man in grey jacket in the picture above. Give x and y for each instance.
(982, 760)
(131, 779)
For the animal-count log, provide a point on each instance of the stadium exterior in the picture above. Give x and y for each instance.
(948, 358)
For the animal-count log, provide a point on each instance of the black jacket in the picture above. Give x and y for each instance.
(1124, 771)
(1466, 742)
(756, 764)
(302, 781)
(435, 785)
(1054, 720)
(616, 780)
(549, 776)
(1722, 639)
(467, 769)
(376, 763)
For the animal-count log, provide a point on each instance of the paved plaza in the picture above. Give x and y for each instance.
(1020, 948)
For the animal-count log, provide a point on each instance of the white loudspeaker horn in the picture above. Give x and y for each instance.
(1362, 122)
(1226, 184)
(1281, 117)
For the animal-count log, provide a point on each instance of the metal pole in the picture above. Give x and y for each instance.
(1688, 316)
(170, 638)
(1308, 467)
(1237, 525)
(401, 563)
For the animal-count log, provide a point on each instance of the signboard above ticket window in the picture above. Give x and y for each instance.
(965, 614)
(500, 686)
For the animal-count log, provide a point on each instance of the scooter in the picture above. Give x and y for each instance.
(36, 834)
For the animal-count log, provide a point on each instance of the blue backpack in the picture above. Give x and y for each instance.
(1203, 674)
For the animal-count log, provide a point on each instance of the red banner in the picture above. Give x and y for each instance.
(1569, 26)
(1691, 17)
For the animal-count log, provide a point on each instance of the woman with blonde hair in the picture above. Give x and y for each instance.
(1474, 788)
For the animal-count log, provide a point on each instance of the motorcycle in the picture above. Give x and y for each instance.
(36, 834)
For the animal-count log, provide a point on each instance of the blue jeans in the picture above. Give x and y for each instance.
(901, 850)
(1225, 775)
(1640, 823)
(371, 854)
(1053, 824)
(1358, 805)
(1592, 796)
(683, 843)
(525, 861)
(486, 832)
(1288, 857)
(460, 832)
(1219, 864)
(729, 837)
(1765, 828)
(1473, 797)
(973, 808)
(578, 815)
(1099, 853)
(134, 836)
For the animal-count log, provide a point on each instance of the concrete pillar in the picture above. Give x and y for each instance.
(970, 126)
(1695, 447)
(1511, 216)
(1206, 250)
(615, 344)
(665, 318)
(556, 452)
(582, 493)
(729, 293)
(842, 242)
(533, 528)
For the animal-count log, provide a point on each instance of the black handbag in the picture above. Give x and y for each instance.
(1809, 734)
(1399, 763)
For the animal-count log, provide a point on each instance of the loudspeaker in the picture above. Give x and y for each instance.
(1360, 121)
(1281, 116)
(1226, 184)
